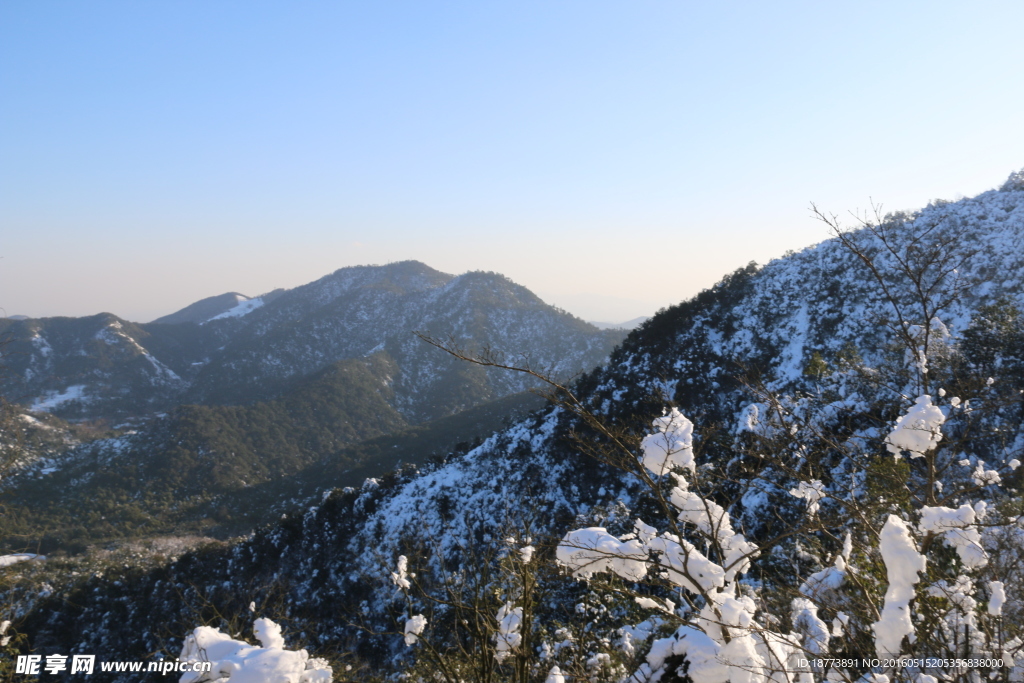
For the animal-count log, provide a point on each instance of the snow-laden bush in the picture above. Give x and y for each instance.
(896, 565)
(927, 605)
(235, 661)
(868, 511)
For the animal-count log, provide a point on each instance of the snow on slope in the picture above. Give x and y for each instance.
(817, 300)
(114, 334)
(822, 299)
(244, 308)
(53, 399)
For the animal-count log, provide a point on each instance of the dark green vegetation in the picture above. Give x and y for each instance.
(215, 424)
(222, 470)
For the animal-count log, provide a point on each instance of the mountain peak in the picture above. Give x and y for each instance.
(204, 309)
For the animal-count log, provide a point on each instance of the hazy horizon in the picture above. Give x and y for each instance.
(612, 159)
(596, 303)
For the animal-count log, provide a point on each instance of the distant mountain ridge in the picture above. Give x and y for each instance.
(230, 350)
(204, 309)
(363, 311)
(628, 325)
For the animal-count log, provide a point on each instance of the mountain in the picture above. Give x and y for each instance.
(277, 388)
(816, 327)
(99, 366)
(105, 367)
(205, 309)
(360, 311)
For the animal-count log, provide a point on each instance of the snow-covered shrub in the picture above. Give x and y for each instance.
(1015, 183)
(235, 661)
(892, 589)
(892, 552)
(868, 508)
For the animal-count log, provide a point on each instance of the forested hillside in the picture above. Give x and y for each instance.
(817, 456)
(235, 393)
(104, 367)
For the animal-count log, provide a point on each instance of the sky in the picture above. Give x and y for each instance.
(613, 157)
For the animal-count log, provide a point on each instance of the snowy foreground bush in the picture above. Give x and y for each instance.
(863, 526)
(235, 661)
(957, 613)
(912, 594)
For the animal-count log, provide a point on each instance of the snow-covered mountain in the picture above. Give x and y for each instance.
(784, 328)
(358, 312)
(268, 390)
(234, 350)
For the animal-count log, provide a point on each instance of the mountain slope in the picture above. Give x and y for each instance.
(149, 480)
(223, 470)
(784, 328)
(204, 309)
(357, 311)
(99, 366)
(105, 367)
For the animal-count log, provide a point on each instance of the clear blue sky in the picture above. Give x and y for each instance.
(615, 157)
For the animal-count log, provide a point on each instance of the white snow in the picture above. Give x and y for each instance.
(902, 564)
(399, 577)
(414, 628)
(268, 633)
(812, 492)
(995, 603)
(701, 652)
(984, 477)
(53, 399)
(8, 560)
(593, 550)
(526, 553)
(114, 334)
(555, 676)
(806, 621)
(714, 523)
(243, 308)
(42, 346)
(820, 585)
(958, 530)
(235, 661)
(508, 638)
(918, 431)
(670, 446)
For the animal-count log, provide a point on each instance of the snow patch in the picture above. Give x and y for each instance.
(242, 309)
(53, 399)
(919, 431)
(902, 564)
(8, 560)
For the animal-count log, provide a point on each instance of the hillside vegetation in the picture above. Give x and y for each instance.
(818, 456)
